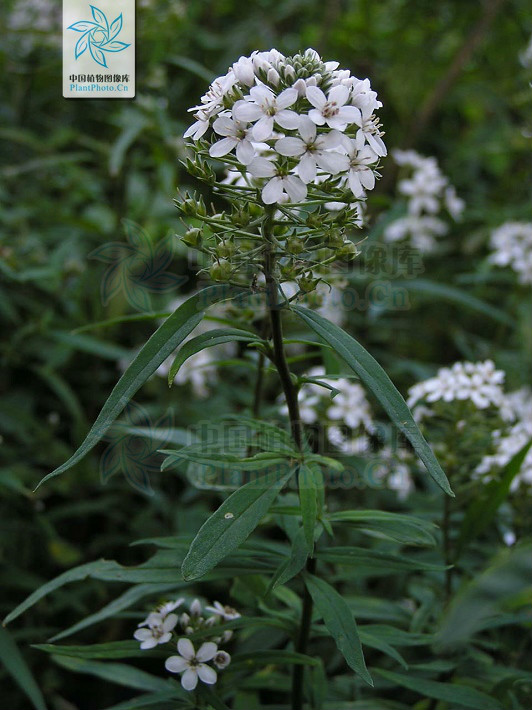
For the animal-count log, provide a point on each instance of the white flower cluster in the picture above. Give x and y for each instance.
(288, 122)
(511, 245)
(509, 441)
(427, 192)
(479, 383)
(348, 423)
(160, 625)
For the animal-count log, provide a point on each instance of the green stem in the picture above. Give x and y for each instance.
(290, 393)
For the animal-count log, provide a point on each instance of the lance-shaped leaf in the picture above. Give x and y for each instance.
(308, 501)
(217, 336)
(378, 382)
(232, 523)
(14, 663)
(340, 623)
(161, 344)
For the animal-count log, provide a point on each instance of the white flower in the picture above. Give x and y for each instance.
(511, 245)
(369, 129)
(226, 613)
(244, 71)
(198, 128)
(196, 608)
(350, 405)
(192, 665)
(313, 151)
(280, 186)
(331, 109)
(167, 607)
(159, 630)
(264, 107)
(222, 660)
(360, 175)
(478, 382)
(236, 134)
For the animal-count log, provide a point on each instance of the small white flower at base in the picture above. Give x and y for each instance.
(193, 665)
(222, 660)
(226, 613)
(155, 629)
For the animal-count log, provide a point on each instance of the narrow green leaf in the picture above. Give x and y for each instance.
(293, 565)
(161, 344)
(232, 523)
(217, 336)
(265, 657)
(373, 560)
(340, 623)
(309, 504)
(447, 692)
(14, 663)
(456, 295)
(118, 673)
(394, 526)
(378, 382)
(484, 508)
(112, 649)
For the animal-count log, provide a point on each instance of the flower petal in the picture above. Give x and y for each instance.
(307, 168)
(263, 129)
(286, 98)
(189, 679)
(142, 634)
(207, 651)
(356, 189)
(148, 643)
(290, 146)
(220, 148)
(207, 674)
(339, 94)
(260, 167)
(170, 622)
(288, 119)
(367, 178)
(332, 162)
(176, 664)
(350, 114)
(316, 117)
(295, 187)
(186, 649)
(272, 191)
(224, 126)
(316, 97)
(245, 152)
(307, 129)
(246, 111)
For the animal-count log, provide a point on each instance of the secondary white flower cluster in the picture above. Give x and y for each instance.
(477, 382)
(509, 441)
(428, 192)
(511, 245)
(162, 623)
(289, 122)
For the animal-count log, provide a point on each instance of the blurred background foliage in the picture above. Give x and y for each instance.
(450, 78)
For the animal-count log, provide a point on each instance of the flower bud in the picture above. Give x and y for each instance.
(348, 251)
(294, 245)
(221, 271)
(192, 237)
(307, 283)
(225, 250)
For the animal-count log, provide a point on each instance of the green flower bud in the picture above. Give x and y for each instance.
(193, 237)
(324, 254)
(335, 239)
(294, 245)
(307, 283)
(225, 250)
(221, 271)
(348, 251)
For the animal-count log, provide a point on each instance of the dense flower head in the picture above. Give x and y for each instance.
(288, 122)
(300, 142)
(510, 440)
(479, 383)
(427, 192)
(511, 245)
